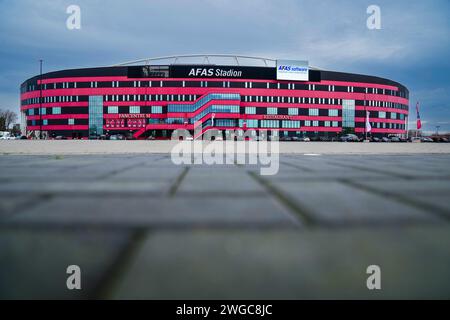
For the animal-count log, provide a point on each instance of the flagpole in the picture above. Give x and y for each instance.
(365, 117)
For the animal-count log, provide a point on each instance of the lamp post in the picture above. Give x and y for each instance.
(40, 99)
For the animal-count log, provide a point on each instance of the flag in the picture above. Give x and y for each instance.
(419, 123)
(368, 126)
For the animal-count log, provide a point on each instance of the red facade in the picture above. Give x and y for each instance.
(145, 106)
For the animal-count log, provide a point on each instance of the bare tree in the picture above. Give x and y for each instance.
(7, 118)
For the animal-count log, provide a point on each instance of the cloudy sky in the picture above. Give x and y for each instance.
(412, 47)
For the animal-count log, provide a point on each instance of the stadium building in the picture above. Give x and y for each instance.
(151, 98)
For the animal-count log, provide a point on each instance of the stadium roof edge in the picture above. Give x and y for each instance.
(205, 59)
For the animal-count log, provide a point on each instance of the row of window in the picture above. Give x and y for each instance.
(250, 123)
(347, 113)
(214, 84)
(191, 108)
(49, 122)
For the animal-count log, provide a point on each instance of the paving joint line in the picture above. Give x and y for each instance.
(174, 188)
(386, 173)
(119, 266)
(434, 210)
(305, 215)
(296, 166)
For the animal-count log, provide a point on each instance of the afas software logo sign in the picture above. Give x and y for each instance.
(292, 70)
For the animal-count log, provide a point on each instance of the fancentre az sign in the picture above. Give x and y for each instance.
(292, 70)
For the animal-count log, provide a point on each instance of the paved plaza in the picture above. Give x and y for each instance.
(141, 227)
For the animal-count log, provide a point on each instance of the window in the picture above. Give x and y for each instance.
(250, 110)
(71, 122)
(290, 124)
(272, 110)
(307, 123)
(31, 112)
(348, 113)
(315, 123)
(56, 110)
(156, 109)
(313, 112)
(334, 123)
(135, 109)
(327, 123)
(45, 122)
(44, 111)
(332, 112)
(114, 109)
(393, 115)
(224, 123)
(270, 124)
(382, 114)
(292, 111)
(251, 123)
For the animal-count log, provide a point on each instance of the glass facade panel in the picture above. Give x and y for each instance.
(202, 102)
(270, 123)
(348, 113)
(290, 124)
(157, 109)
(95, 115)
(332, 112)
(292, 111)
(214, 109)
(135, 109)
(250, 110)
(272, 110)
(113, 109)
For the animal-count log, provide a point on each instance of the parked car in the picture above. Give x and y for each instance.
(395, 139)
(349, 138)
(376, 139)
(385, 139)
(427, 139)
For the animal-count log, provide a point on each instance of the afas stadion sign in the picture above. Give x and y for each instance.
(292, 70)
